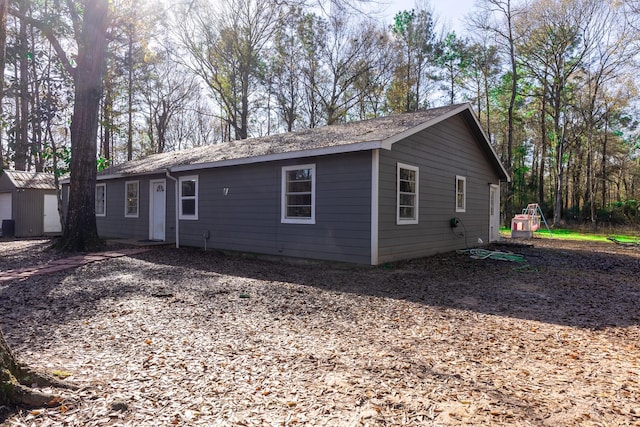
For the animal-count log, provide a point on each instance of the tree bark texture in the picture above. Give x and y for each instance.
(22, 131)
(81, 232)
(15, 378)
(4, 8)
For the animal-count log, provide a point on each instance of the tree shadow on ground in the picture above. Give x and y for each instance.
(33, 247)
(571, 287)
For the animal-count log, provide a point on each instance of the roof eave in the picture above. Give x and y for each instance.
(488, 146)
(463, 108)
(338, 149)
(387, 143)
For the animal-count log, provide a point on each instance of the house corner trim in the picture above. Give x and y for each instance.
(375, 177)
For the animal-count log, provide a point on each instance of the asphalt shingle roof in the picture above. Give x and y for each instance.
(340, 135)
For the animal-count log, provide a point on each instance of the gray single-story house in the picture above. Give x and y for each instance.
(367, 192)
(28, 204)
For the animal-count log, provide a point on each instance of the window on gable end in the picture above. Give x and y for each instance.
(461, 194)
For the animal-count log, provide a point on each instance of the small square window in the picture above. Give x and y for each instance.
(461, 194)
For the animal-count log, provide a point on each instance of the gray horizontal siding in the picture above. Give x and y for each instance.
(441, 152)
(116, 225)
(247, 219)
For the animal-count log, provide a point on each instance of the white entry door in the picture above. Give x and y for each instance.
(494, 212)
(157, 209)
(5, 206)
(51, 216)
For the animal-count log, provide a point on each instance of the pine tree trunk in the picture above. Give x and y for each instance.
(81, 231)
(22, 132)
(4, 4)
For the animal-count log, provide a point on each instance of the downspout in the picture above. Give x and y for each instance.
(177, 211)
(375, 200)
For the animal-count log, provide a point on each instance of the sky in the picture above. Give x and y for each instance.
(450, 12)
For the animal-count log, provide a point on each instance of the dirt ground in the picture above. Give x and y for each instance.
(183, 337)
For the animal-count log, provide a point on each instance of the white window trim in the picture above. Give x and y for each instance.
(104, 193)
(181, 198)
(406, 221)
(126, 195)
(283, 208)
(462, 208)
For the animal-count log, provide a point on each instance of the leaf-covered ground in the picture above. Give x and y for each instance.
(183, 337)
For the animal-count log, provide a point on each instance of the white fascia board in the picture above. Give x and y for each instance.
(349, 148)
(103, 177)
(120, 175)
(488, 144)
(387, 143)
(131, 175)
(116, 175)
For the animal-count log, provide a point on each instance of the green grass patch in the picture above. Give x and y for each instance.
(565, 234)
(61, 374)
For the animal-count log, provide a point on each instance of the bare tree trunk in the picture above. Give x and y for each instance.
(543, 147)
(603, 165)
(508, 204)
(107, 108)
(4, 5)
(22, 132)
(81, 231)
(557, 206)
(36, 104)
(12, 374)
(488, 103)
(130, 95)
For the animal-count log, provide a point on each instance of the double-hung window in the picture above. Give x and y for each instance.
(101, 199)
(407, 194)
(188, 197)
(298, 194)
(131, 202)
(461, 193)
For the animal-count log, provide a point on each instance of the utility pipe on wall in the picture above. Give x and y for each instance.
(177, 211)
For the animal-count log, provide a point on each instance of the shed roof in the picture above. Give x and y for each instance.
(375, 133)
(31, 180)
